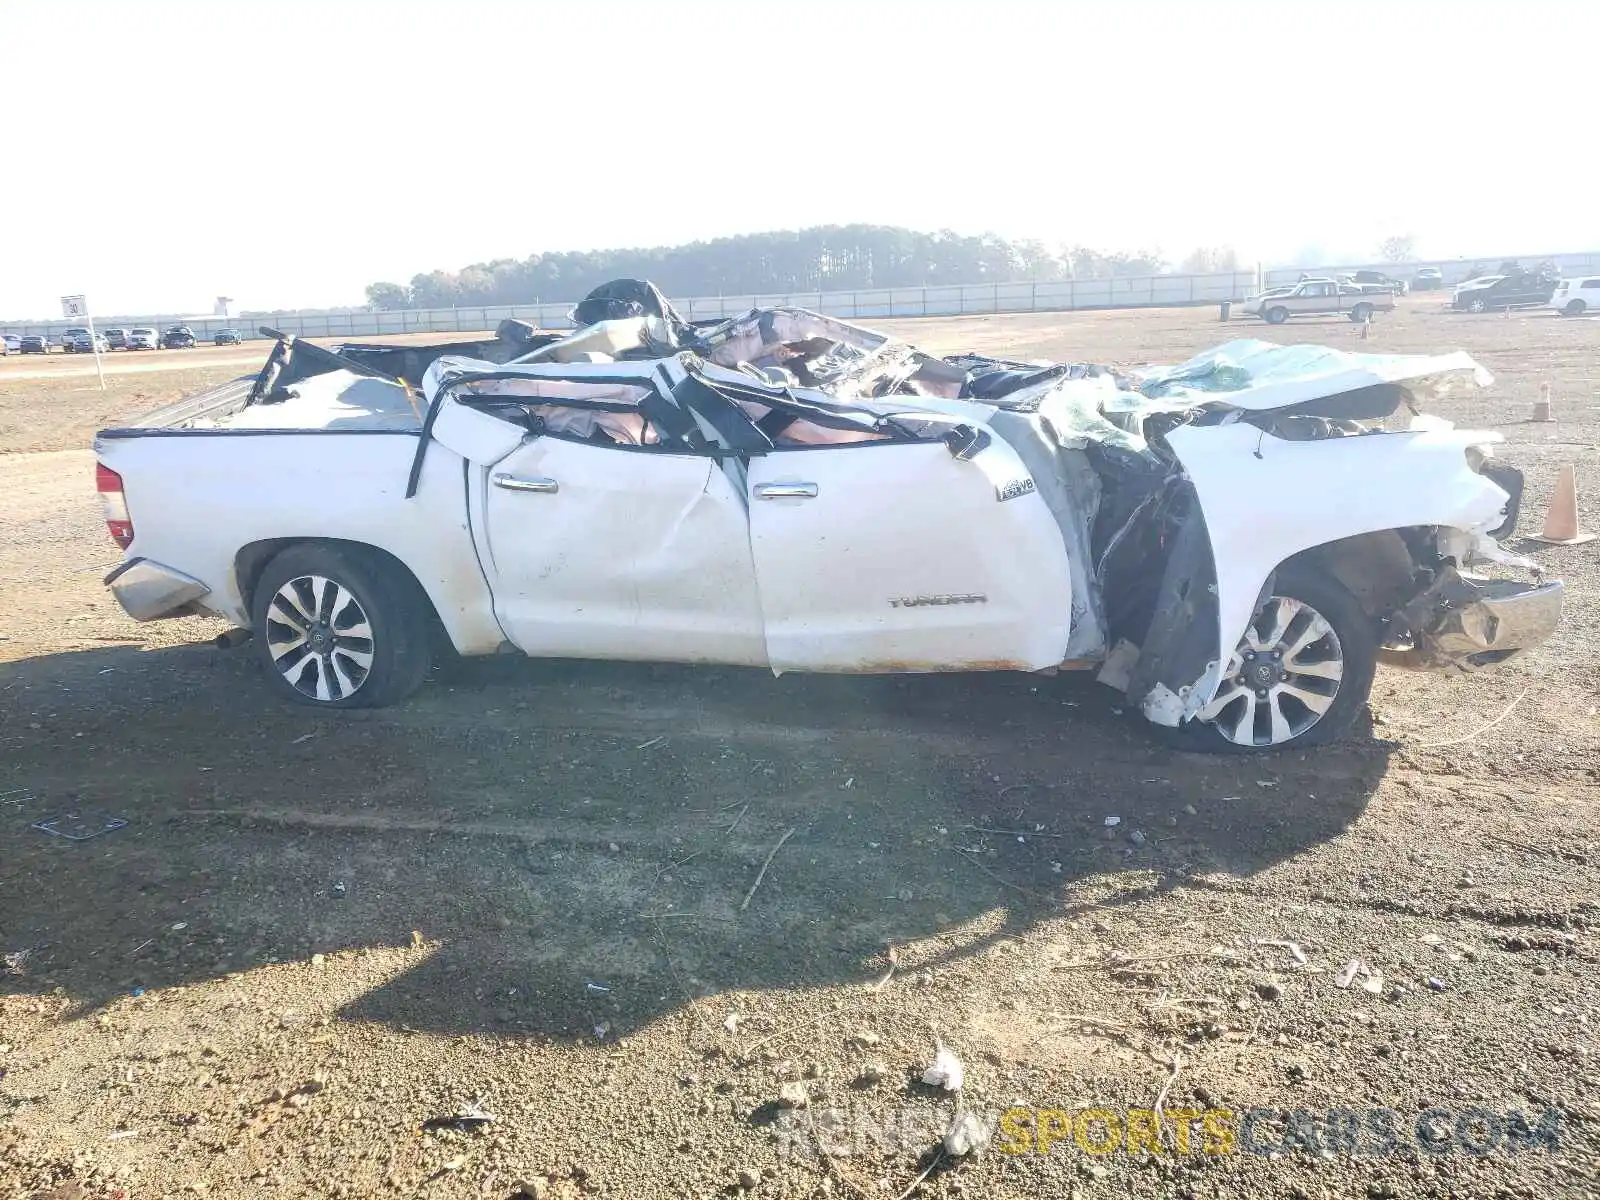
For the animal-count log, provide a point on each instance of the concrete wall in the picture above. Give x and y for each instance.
(1132, 292)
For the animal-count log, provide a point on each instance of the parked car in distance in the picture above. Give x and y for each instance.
(228, 337)
(116, 338)
(1318, 297)
(83, 342)
(1495, 292)
(1574, 297)
(1377, 279)
(33, 343)
(143, 339)
(1427, 279)
(179, 337)
(12, 343)
(69, 339)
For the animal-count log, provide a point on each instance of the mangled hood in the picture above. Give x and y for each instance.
(1257, 376)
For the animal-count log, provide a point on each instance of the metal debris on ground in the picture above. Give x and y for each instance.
(16, 960)
(1137, 837)
(596, 987)
(17, 797)
(468, 1117)
(652, 743)
(1112, 821)
(1356, 970)
(1293, 948)
(946, 1071)
(76, 828)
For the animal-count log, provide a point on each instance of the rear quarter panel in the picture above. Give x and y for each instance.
(196, 499)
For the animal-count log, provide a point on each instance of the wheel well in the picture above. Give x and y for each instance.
(1379, 569)
(252, 560)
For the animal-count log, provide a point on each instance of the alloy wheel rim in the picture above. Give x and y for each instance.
(319, 638)
(1282, 679)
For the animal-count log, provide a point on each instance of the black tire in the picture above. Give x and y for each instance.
(1361, 313)
(1478, 305)
(1574, 308)
(1277, 315)
(1357, 637)
(393, 610)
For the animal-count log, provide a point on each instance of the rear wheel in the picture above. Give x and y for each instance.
(1301, 674)
(340, 628)
(1574, 308)
(1277, 315)
(1478, 305)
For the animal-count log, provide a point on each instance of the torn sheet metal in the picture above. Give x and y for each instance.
(1259, 376)
(1464, 622)
(816, 351)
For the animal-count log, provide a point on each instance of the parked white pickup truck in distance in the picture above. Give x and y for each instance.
(1232, 543)
(1319, 297)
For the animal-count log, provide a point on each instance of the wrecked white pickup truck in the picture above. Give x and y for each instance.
(1233, 543)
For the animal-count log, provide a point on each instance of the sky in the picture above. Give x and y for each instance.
(287, 153)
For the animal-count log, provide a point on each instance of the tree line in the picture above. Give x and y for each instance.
(823, 258)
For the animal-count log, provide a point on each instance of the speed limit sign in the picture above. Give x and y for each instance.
(74, 306)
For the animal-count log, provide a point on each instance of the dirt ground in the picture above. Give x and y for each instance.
(538, 888)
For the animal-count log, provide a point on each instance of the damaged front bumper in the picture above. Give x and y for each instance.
(1464, 622)
(149, 591)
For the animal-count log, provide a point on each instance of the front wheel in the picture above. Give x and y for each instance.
(1477, 306)
(1301, 674)
(1574, 308)
(1277, 315)
(340, 627)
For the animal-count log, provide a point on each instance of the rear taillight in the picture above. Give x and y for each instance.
(115, 505)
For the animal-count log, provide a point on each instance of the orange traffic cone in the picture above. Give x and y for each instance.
(1561, 522)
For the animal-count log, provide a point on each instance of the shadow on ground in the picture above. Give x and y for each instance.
(579, 842)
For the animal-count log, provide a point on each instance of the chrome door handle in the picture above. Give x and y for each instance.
(514, 484)
(786, 491)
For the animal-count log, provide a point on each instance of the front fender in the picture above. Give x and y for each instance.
(1265, 499)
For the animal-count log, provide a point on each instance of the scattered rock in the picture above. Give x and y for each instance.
(793, 1095)
(871, 1074)
(1437, 984)
(1137, 838)
(748, 1179)
(1541, 969)
(946, 1071)
(317, 960)
(537, 1188)
(1269, 991)
(1191, 810)
(967, 1135)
